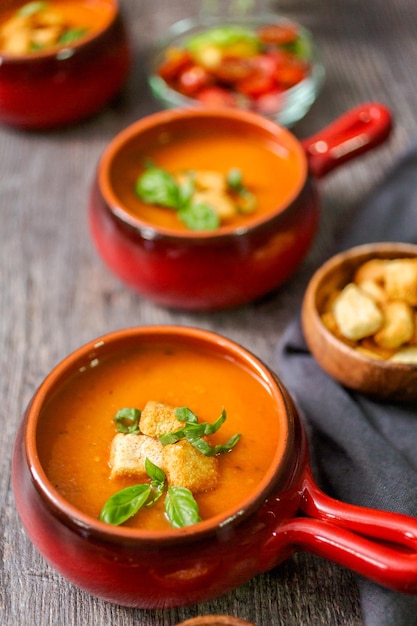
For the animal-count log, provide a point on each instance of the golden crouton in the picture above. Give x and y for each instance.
(129, 451)
(157, 419)
(210, 180)
(401, 280)
(186, 467)
(356, 314)
(374, 290)
(374, 270)
(398, 326)
(219, 202)
(368, 347)
(407, 354)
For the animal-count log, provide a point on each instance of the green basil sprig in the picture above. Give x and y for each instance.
(194, 431)
(157, 186)
(181, 508)
(127, 420)
(71, 35)
(32, 7)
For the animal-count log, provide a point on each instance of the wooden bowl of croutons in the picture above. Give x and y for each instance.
(359, 318)
(60, 62)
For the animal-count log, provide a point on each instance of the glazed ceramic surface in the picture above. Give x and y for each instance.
(232, 265)
(51, 89)
(286, 511)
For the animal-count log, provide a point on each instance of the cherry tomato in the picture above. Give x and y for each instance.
(175, 61)
(262, 79)
(193, 78)
(290, 71)
(277, 34)
(232, 69)
(216, 96)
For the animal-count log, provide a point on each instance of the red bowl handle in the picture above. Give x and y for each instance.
(356, 131)
(378, 545)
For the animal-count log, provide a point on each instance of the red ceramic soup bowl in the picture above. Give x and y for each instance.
(70, 82)
(235, 263)
(284, 512)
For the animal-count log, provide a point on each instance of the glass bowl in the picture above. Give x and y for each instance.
(284, 95)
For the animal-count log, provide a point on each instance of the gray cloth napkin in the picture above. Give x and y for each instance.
(363, 451)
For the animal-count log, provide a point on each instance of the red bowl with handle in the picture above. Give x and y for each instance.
(235, 263)
(56, 86)
(285, 512)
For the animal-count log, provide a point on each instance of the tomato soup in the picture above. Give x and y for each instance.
(272, 171)
(76, 426)
(42, 26)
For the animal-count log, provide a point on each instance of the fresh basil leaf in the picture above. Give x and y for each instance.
(222, 36)
(199, 216)
(246, 201)
(157, 186)
(124, 504)
(226, 447)
(234, 179)
(31, 8)
(155, 473)
(205, 448)
(301, 48)
(184, 414)
(181, 508)
(72, 34)
(209, 429)
(185, 191)
(173, 437)
(202, 446)
(127, 420)
(157, 491)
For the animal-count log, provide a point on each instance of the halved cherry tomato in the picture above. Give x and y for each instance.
(290, 71)
(175, 61)
(277, 34)
(216, 96)
(233, 69)
(194, 78)
(262, 79)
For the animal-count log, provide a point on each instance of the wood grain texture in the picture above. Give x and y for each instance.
(55, 294)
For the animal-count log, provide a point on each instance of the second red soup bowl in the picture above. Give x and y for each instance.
(279, 510)
(245, 257)
(69, 78)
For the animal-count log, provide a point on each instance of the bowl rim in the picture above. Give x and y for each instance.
(165, 117)
(61, 53)
(381, 249)
(88, 353)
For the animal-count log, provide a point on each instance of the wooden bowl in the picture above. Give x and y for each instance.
(379, 378)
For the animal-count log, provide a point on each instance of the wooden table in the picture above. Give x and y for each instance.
(56, 294)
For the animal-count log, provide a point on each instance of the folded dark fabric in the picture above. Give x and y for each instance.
(363, 451)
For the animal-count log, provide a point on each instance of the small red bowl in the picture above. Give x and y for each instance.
(67, 84)
(284, 512)
(235, 263)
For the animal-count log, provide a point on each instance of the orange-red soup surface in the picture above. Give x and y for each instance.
(273, 171)
(86, 16)
(76, 426)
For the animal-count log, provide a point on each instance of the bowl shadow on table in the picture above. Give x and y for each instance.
(287, 589)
